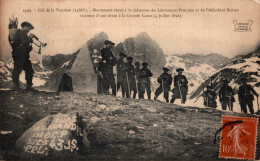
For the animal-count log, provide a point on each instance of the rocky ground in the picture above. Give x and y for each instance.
(118, 128)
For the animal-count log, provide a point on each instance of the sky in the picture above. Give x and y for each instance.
(194, 32)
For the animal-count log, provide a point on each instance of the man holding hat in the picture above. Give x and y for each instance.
(21, 54)
(180, 89)
(165, 81)
(107, 62)
(246, 96)
(145, 75)
(210, 98)
(120, 71)
(226, 96)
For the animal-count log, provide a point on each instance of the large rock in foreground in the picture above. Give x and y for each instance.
(55, 136)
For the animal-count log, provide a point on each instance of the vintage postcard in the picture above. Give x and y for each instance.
(129, 80)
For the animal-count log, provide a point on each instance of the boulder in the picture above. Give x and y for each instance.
(55, 136)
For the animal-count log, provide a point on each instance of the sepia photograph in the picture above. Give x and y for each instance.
(129, 80)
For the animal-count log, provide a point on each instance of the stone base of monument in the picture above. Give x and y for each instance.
(56, 136)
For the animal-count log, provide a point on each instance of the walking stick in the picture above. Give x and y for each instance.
(162, 87)
(128, 84)
(116, 80)
(136, 86)
(180, 91)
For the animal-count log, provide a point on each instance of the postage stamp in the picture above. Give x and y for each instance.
(239, 139)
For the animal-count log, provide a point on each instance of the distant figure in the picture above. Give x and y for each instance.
(21, 54)
(137, 79)
(165, 81)
(226, 96)
(210, 98)
(246, 97)
(121, 73)
(107, 63)
(180, 89)
(131, 84)
(145, 84)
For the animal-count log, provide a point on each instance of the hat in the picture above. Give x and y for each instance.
(107, 42)
(122, 54)
(137, 63)
(129, 58)
(166, 69)
(144, 64)
(226, 81)
(179, 69)
(27, 24)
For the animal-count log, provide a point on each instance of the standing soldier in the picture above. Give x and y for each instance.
(180, 89)
(145, 75)
(246, 97)
(137, 79)
(107, 63)
(131, 84)
(226, 97)
(21, 54)
(121, 72)
(165, 81)
(210, 98)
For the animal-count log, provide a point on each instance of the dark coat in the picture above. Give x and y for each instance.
(145, 75)
(108, 59)
(182, 80)
(226, 93)
(245, 93)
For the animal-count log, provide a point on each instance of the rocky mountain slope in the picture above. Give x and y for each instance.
(118, 128)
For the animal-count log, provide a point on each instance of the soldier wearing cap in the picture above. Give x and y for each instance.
(180, 89)
(246, 96)
(226, 96)
(137, 78)
(210, 98)
(120, 71)
(21, 54)
(130, 79)
(165, 81)
(145, 83)
(106, 66)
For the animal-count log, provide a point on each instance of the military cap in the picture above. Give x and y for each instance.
(129, 58)
(226, 81)
(179, 69)
(137, 63)
(107, 42)
(166, 69)
(27, 24)
(144, 64)
(122, 54)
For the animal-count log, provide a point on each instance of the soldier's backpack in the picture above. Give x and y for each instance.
(13, 24)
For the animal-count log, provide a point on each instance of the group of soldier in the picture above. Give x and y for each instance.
(226, 96)
(130, 78)
(134, 80)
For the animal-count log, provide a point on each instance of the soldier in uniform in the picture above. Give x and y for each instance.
(107, 62)
(131, 77)
(145, 75)
(226, 97)
(246, 97)
(120, 72)
(21, 54)
(165, 81)
(136, 72)
(210, 98)
(180, 89)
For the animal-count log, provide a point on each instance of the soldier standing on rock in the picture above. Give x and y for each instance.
(131, 84)
(145, 83)
(210, 98)
(226, 97)
(107, 63)
(21, 50)
(137, 79)
(180, 89)
(165, 81)
(120, 71)
(246, 97)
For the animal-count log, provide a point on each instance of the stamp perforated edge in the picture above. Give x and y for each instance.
(256, 117)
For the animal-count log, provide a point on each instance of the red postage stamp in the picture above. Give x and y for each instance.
(239, 138)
